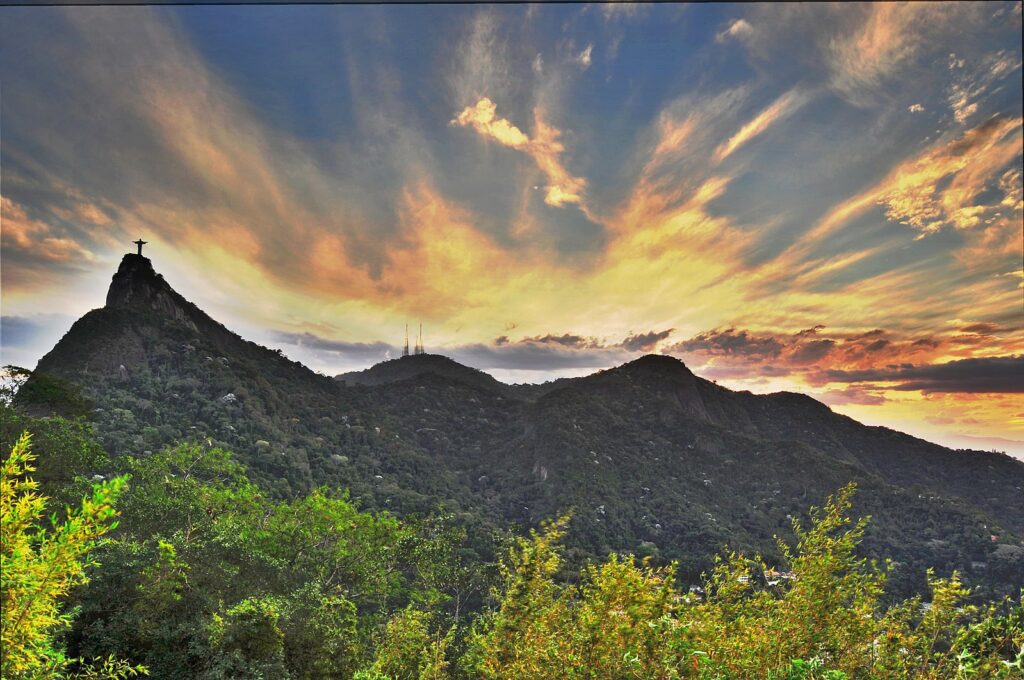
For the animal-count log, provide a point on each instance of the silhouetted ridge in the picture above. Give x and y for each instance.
(416, 365)
(146, 326)
(797, 400)
(651, 456)
(655, 365)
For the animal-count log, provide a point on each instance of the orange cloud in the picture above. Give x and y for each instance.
(23, 233)
(885, 38)
(936, 189)
(974, 82)
(780, 108)
(483, 118)
(544, 148)
(912, 194)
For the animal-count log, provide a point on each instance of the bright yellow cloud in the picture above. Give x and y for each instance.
(484, 119)
(544, 148)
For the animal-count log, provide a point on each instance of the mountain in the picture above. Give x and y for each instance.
(417, 365)
(649, 457)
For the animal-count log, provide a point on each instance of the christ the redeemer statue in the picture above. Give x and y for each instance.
(140, 243)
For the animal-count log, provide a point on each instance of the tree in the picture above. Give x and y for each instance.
(826, 620)
(41, 565)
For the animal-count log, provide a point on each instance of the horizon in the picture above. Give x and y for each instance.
(1009, 447)
(824, 200)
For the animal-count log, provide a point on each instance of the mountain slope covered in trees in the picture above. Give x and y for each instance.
(650, 458)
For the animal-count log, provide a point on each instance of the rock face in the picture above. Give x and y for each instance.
(136, 285)
(142, 313)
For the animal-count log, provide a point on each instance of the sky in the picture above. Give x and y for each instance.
(818, 198)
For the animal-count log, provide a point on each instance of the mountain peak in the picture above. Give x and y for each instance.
(656, 366)
(137, 286)
(406, 367)
(135, 282)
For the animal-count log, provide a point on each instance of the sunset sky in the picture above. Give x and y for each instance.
(818, 198)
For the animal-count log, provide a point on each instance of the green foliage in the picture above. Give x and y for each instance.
(108, 668)
(408, 650)
(43, 391)
(246, 641)
(321, 634)
(827, 621)
(204, 560)
(40, 566)
(616, 623)
(255, 564)
(67, 456)
(208, 576)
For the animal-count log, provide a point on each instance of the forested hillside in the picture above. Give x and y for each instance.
(204, 575)
(649, 458)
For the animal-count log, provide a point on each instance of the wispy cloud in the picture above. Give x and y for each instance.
(618, 10)
(37, 237)
(545, 148)
(913, 193)
(884, 39)
(974, 83)
(584, 57)
(481, 68)
(737, 28)
(938, 188)
(779, 109)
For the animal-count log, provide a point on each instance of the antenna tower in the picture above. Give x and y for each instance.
(419, 342)
(405, 351)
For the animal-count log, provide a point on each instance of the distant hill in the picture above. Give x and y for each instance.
(416, 365)
(651, 458)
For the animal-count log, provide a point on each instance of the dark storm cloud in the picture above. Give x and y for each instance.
(566, 340)
(809, 332)
(853, 394)
(730, 342)
(982, 328)
(555, 352)
(864, 361)
(981, 375)
(644, 342)
(634, 342)
(811, 352)
(803, 351)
